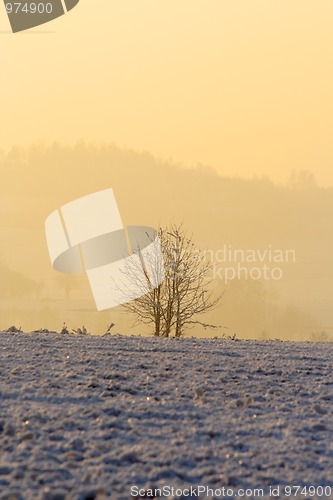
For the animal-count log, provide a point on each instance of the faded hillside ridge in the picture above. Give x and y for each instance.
(218, 211)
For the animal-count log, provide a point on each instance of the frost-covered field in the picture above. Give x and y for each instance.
(85, 417)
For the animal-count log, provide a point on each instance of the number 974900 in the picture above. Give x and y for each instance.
(28, 8)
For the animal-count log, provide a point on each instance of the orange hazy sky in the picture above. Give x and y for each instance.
(242, 85)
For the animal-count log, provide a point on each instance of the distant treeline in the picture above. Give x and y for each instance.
(218, 211)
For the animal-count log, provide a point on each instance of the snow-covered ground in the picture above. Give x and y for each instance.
(85, 417)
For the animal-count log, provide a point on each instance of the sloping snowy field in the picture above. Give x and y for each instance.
(85, 417)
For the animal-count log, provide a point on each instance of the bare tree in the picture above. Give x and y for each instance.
(184, 294)
(68, 282)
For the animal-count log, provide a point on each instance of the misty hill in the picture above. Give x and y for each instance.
(219, 211)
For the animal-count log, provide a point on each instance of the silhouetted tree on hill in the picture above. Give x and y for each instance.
(184, 295)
